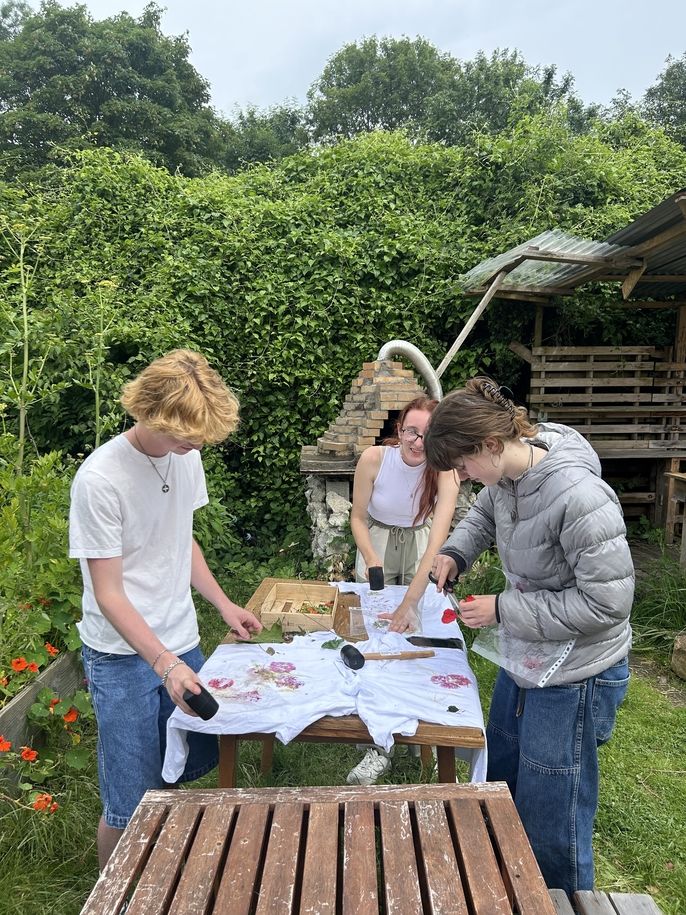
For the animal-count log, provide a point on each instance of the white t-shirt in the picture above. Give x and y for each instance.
(118, 509)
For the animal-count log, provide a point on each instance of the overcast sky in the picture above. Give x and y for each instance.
(262, 52)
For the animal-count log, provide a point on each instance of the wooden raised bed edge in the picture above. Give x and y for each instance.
(64, 675)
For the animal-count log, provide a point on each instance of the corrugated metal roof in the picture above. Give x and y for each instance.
(551, 277)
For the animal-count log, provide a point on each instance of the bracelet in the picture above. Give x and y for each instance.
(169, 670)
(164, 651)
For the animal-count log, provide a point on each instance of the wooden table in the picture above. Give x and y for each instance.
(402, 850)
(679, 495)
(345, 729)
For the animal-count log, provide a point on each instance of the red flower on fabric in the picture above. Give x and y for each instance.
(5, 745)
(449, 615)
(28, 755)
(19, 664)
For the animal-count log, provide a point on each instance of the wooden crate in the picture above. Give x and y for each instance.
(285, 601)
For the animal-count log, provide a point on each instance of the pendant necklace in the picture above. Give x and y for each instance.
(165, 485)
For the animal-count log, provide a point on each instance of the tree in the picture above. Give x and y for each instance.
(12, 16)
(377, 84)
(263, 136)
(665, 102)
(68, 81)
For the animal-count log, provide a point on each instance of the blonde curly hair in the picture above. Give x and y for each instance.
(179, 394)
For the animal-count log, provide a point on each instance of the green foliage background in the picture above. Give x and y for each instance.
(289, 277)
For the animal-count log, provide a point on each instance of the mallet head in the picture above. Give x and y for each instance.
(352, 657)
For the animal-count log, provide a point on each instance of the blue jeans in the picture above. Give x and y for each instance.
(131, 708)
(544, 744)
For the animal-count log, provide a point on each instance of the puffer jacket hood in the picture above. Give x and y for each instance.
(561, 538)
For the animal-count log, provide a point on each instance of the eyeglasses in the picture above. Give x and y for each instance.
(411, 435)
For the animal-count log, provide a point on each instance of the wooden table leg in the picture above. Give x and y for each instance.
(446, 764)
(426, 757)
(228, 760)
(267, 755)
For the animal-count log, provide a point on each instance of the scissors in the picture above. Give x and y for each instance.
(448, 589)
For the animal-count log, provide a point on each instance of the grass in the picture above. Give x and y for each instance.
(49, 864)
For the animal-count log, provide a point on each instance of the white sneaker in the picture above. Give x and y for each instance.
(370, 768)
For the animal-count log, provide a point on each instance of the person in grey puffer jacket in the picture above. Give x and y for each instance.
(560, 534)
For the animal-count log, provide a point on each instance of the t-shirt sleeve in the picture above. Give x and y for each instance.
(201, 498)
(95, 522)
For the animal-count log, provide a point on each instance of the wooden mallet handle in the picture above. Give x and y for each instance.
(398, 656)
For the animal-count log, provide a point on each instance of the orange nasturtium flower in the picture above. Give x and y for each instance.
(5, 745)
(29, 755)
(33, 667)
(42, 802)
(19, 664)
(4, 681)
(71, 715)
(53, 703)
(51, 650)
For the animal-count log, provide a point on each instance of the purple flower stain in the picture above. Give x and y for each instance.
(451, 681)
(281, 667)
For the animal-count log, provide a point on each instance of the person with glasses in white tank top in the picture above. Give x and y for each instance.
(401, 515)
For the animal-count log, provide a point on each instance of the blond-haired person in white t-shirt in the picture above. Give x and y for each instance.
(131, 527)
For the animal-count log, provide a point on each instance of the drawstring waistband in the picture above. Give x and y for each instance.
(397, 536)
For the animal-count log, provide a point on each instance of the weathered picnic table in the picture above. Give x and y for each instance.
(445, 849)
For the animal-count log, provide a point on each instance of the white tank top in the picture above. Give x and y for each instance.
(397, 490)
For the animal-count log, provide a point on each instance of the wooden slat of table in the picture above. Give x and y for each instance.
(156, 885)
(400, 876)
(594, 902)
(320, 877)
(244, 862)
(194, 892)
(481, 872)
(444, 888)
(279, 878)
(561, 902)
(519, 865)
(126, 864)
(360, 893)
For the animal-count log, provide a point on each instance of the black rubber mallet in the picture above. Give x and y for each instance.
(354, 659)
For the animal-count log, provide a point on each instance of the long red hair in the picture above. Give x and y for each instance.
(430, 476)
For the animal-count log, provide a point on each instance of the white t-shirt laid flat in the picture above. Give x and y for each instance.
(118, 509)
(266, 689)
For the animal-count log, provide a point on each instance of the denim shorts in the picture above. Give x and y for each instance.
(131, 708)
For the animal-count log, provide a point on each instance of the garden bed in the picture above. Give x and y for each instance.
(64, 675)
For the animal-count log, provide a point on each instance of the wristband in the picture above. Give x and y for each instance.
(169, 670)
(164, 651)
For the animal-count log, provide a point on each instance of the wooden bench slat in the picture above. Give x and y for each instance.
(400, 875)
(525, 878)
(241, 870)
(194, 892)
(280, 874)
(634, 904)
(593, 902)
(360, 894)
(479, 864)
(127, 861)
(157, 882)
(561, 902)
(444, 888)
(320, 871)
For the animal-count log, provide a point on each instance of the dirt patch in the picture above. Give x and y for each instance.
(661, 678)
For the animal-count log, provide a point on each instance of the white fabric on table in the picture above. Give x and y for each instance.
(259, 693)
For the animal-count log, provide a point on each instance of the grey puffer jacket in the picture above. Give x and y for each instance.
(561, 537)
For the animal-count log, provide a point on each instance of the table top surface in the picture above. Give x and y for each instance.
(448, 849)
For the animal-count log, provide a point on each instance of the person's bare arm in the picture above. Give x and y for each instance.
(240, 620)
(115, 606)
(365, 474)
(448, 489)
